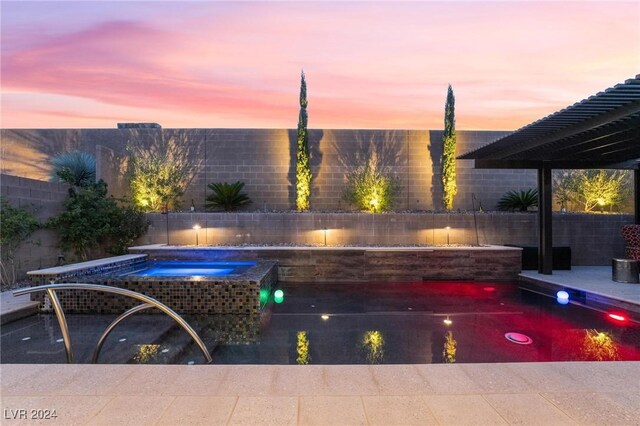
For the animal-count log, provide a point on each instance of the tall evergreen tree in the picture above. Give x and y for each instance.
(449, 187)
(303, 168)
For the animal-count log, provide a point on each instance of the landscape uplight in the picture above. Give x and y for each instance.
(448, 228)
(196, 227)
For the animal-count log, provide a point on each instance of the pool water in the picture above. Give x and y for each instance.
(364, 323)
(190, 269)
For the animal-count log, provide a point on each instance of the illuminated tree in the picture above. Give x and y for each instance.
(449, 187)
(303, 169)
(591, 189)
(158, 174)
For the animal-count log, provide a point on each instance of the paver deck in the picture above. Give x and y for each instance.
(479, 394)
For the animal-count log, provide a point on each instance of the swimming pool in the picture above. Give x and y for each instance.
(189, 269)
(363, 323)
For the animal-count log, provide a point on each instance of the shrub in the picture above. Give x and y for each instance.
(371, 189)
(158, 175)
(16, 225)
(76, 168)
(589, 190)
(519, 200)
(91, 220)
(227, 196)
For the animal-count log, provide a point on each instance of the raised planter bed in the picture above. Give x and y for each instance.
(353, 264)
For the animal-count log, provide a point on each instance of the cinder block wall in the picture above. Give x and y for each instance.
(265, 160)
(594, 239)
(45, 200)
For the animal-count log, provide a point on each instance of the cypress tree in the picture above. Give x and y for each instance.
(449, 187)
(303, 169)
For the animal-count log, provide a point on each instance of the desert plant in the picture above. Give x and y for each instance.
(563, 187)
(589, 190)
(158, 175)
(449, 186)
(227, 196)
(76, 168)
(598, 188)
(16, 225)
(303, 168)
(518, 200)
(92, 220)
(371, 189)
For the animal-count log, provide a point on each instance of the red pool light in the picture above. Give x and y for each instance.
(489, 289)
(617, 317)
(518, 338)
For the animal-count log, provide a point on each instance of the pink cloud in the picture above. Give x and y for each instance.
(367, 64)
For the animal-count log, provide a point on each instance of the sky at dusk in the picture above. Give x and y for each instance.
(378, 65)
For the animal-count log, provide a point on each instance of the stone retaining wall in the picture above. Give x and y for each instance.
(594, 238)
(365, 264)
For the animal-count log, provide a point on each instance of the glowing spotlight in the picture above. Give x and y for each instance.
(278, 296)
(617, 317)
(489, 289)
(447, 321)
(324, 317)
(562, 297)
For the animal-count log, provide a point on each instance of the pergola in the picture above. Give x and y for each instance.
(600, 132)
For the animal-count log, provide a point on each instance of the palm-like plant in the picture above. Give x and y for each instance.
(518, 200)
(227, 196)
(76, 168)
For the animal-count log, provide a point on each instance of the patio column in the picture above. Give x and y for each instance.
(545, 243)
(636, 194)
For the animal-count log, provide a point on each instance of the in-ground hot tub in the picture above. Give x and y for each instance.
(187, 287)
(178, 268)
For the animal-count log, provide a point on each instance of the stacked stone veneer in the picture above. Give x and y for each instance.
(594, 238)
(362, 264)
(231, 295)
(265, 160)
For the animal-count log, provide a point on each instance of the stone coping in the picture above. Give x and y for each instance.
(326, 248)
(59, 270)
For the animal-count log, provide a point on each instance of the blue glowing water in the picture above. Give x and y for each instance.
(191, 269)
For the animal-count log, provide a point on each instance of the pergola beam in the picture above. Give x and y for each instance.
(600, 132)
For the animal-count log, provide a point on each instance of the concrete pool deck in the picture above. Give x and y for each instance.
(595, 281)
(454, 394)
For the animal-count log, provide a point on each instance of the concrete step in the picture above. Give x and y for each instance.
(14, 308)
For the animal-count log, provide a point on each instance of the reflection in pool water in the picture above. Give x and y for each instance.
(362, 323)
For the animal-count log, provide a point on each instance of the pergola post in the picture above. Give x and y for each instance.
(545, 243)
(636, 194)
